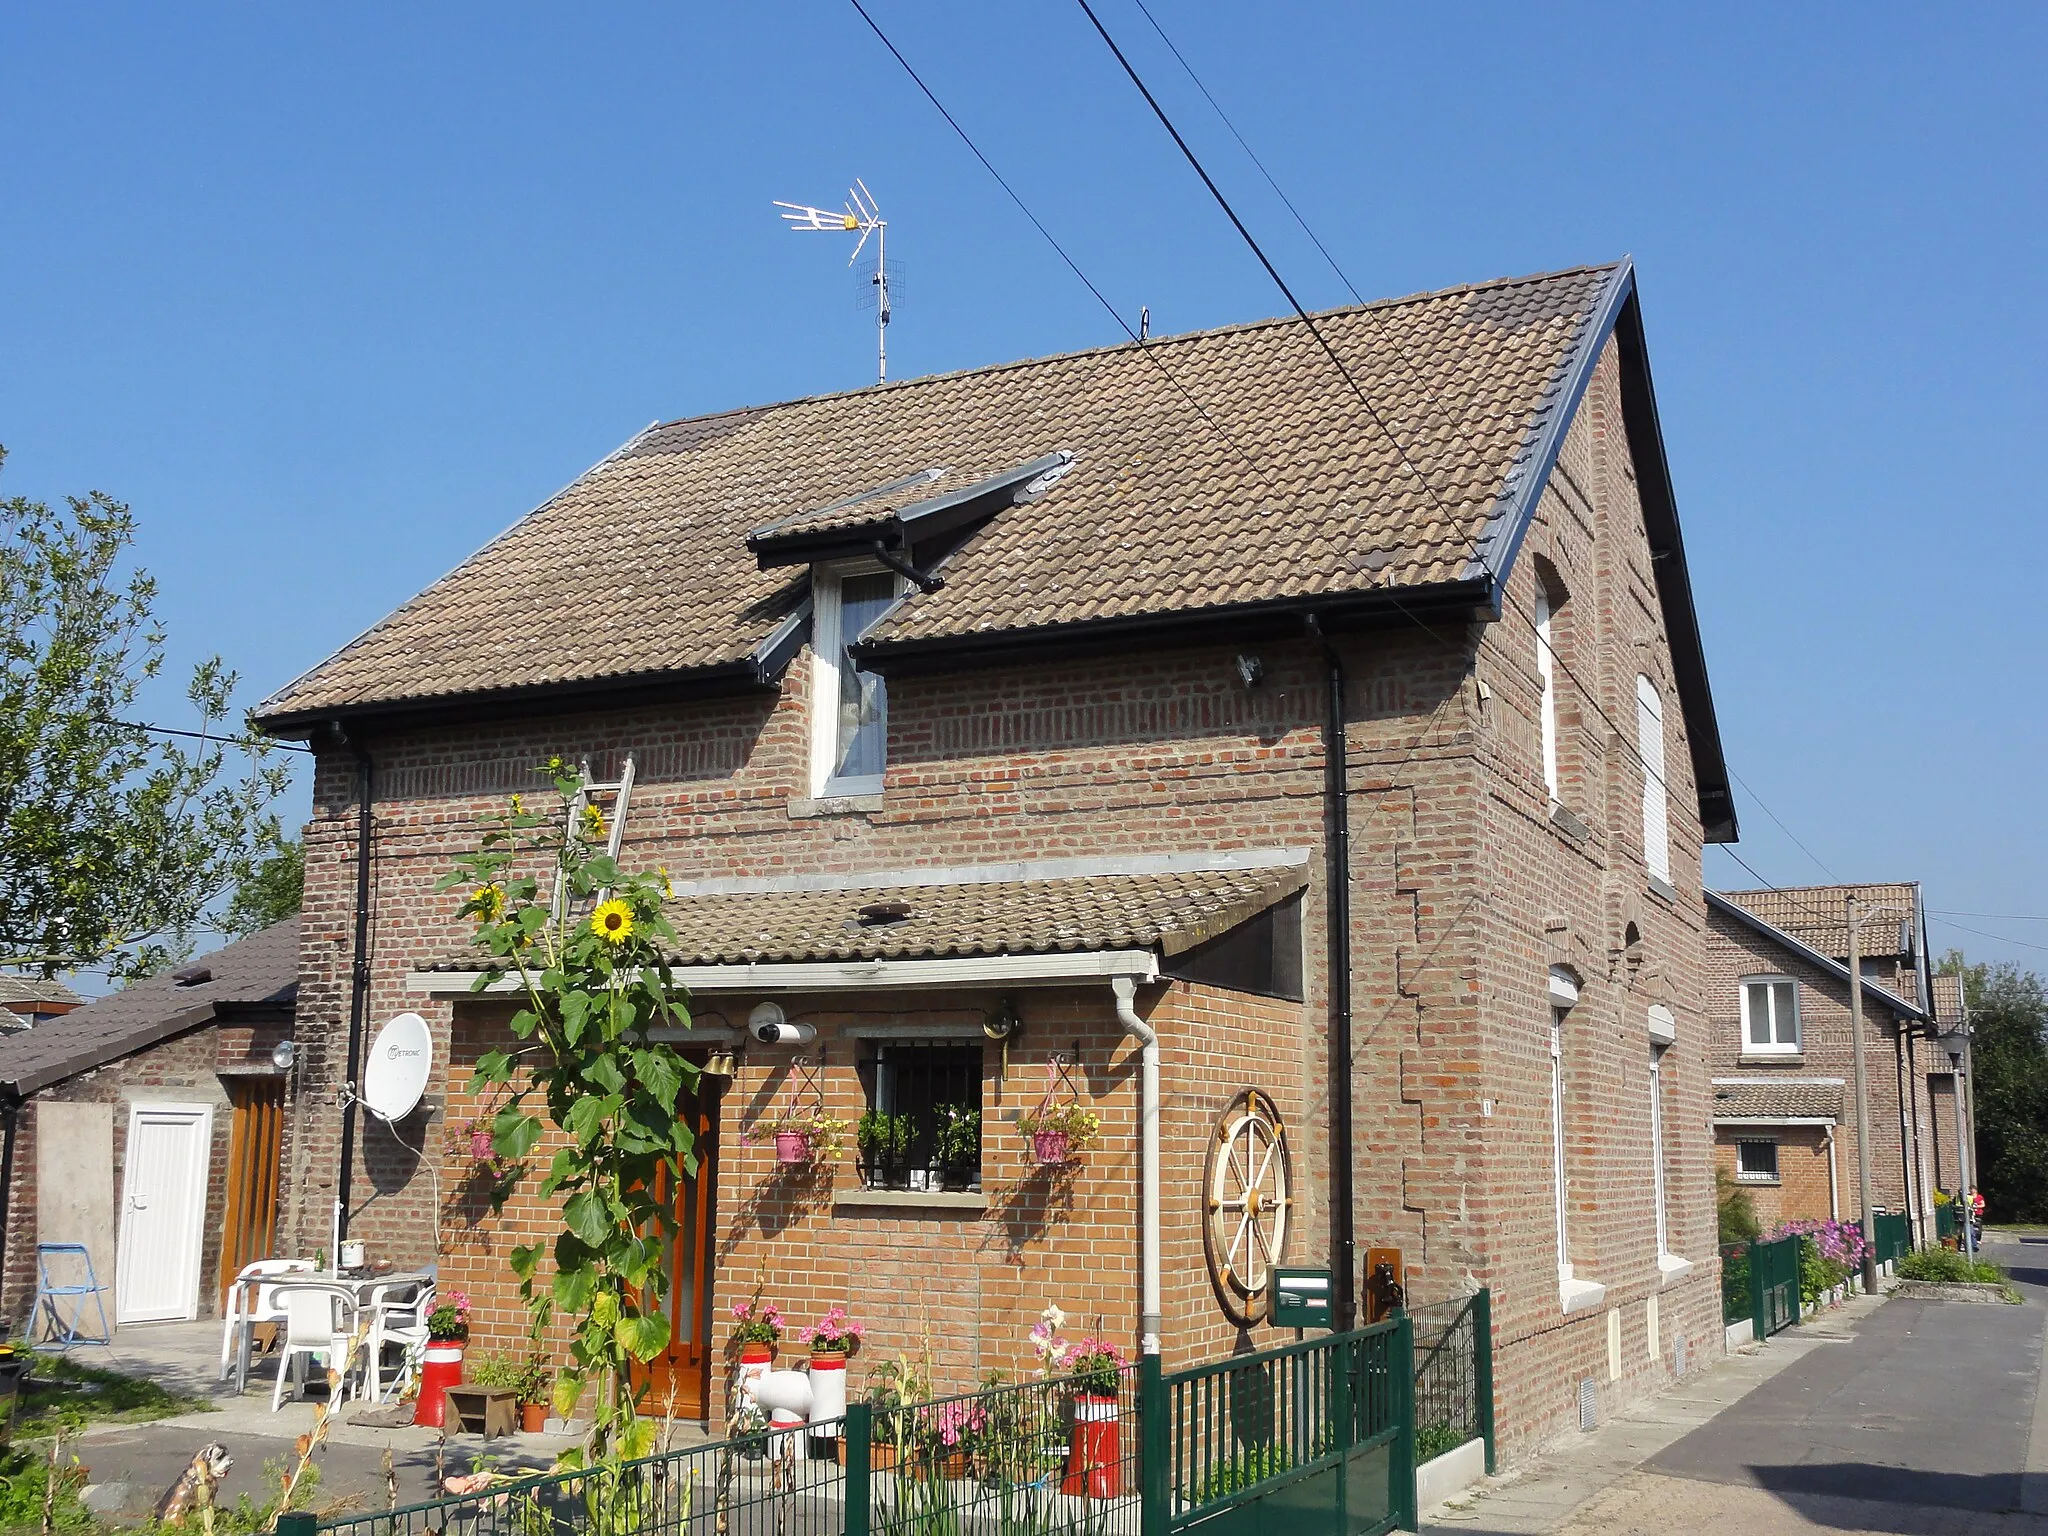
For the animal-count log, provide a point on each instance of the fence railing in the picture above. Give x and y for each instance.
(1945, 1226)
(1760, 1281)
(1312, 1437)
(1894, 1236)
(1454, 1376)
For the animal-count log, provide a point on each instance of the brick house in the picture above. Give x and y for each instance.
(151, 1126)
(1006, 729)
(26, 1001)
(1783, 1054)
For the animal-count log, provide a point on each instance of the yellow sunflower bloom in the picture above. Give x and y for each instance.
(613, 921)
(489, 902)
(593, 824)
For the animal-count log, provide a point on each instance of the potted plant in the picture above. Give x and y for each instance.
(884, 1143)
(955, 1429)
(956, 1146)
(441, 1366)
(832, 1338)
(1061, 1132)
(536, 1385)
(756, 1326)
(1094, 1368)
(802, 1135)
(895, 1388)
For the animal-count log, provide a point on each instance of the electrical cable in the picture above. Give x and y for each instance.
(225, 741)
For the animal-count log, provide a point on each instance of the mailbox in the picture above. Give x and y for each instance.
(1301, 1298)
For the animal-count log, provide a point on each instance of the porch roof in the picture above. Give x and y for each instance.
(1793, 1100)
(963, 914)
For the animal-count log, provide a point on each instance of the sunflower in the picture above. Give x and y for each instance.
(488, 902)
(593, 824)
(613, 921)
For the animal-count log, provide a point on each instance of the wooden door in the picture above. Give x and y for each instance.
(679, 1381)
(163, 1212)
(255, 1145)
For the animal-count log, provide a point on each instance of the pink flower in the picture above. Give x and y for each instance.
(480, 1146)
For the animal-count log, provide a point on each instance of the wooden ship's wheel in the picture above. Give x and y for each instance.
(1248, 1186)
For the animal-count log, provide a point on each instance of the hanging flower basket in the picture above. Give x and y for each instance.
(1051, 1147)
(792, 1147)
(802, 1131)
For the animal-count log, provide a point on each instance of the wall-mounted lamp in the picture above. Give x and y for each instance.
(1251, 669)
(770, 1026)
(284, 1054)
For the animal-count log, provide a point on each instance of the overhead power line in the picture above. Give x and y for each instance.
(1998, 917)
(1998, 938)
(223, 741)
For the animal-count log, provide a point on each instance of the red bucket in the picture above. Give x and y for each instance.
(1094, 1453)
(439, 1370)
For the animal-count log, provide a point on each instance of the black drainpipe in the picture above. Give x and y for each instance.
(359, 990)
(1337, 884)
(11, 1107)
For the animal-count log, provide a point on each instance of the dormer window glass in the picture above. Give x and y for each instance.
(849, 707)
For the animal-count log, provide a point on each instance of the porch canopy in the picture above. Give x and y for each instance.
(1797, 1102)
(1051, 923)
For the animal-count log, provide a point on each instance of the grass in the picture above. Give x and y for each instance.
(62, 1394)
(1947, 1266)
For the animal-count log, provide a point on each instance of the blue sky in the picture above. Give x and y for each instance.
(333, 297)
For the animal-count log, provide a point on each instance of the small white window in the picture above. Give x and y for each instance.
(849, 707)
(1657, 1148)
(1770, 1015)
(1650, 742)
(1756, 1162)
(1546, 669)
(1557, 1172)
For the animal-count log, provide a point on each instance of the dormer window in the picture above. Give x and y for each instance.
(849, 707)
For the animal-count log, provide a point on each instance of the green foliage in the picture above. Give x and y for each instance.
(1818, 1274)
(958, 1141)
(269, 893)
(1250, 1465)
(1433, 1440)
(113, 842)
(1735, 1209)
(1950, 1267)
(883, 1138)
(489, 1369)
(2009, 1066)
(594, 988)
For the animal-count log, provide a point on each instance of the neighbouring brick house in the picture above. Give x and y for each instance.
(986, 718)
(26, 1001)
(151, 1126)
(1783, 1053)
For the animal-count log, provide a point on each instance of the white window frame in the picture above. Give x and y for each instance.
(1773, 1047)
(1546, 669)
(1657, 1151)
(1656, 795)
(1775, 1176)
(826, 645)
(1558, 1181)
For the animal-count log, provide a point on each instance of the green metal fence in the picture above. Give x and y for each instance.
(1894, 1236)
(1310, 1438)
(1945, 1226)
(1760, 1281)
(1454, 1376)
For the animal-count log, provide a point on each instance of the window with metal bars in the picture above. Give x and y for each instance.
(921, 1129)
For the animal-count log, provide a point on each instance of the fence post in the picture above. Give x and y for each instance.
(1482, 1367)
(1757, 1259)
(1154, 1426)
(1401, 1460)
(859, 1430)
(298, 1524)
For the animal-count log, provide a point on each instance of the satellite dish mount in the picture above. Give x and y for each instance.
(401, 1060)
(862, 216)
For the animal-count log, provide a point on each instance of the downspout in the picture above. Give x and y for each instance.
(1337, 904)
(1834, 1184)
(1150, 1309)
(359, 991)
(1909, 1145)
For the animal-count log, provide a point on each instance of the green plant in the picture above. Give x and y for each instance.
(826, 1133)
(1434, 1440)
(1818, 1274)
(448, 1323)
(1249, 1465)
(1950, 1267)
(493, 1370)
(882, 1137)
(593, 989)
(958, 1142)
(1734, 1208)
(755, 1321)
(1096, 1366)
(536, 1382)
(1074, 1120)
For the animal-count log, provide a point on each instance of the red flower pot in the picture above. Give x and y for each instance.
(533, 1418)
(439, 1370)
(1094, 1452)
(1051, 1146)
(792, 1147)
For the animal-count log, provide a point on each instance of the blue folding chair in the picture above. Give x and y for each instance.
(50, 1284)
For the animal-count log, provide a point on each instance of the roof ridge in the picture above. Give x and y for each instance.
(1175, 339)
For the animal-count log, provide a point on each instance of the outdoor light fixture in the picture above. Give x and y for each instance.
(768, 1025)
(1251, 669)
(284, 1053)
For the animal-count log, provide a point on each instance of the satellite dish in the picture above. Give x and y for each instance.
(401, 1059)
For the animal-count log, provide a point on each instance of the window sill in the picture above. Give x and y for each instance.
(1773, 1059)
(1664, 891)
(1580, 1295)
(910, 1199)
(1671, 1268)
(835, 805)
(1569, 824)
(1757, 1178)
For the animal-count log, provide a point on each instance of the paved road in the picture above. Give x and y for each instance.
(1916, 1420)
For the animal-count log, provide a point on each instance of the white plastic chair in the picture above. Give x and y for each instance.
(249, 1304)
(398, 1316)
(318, 1320)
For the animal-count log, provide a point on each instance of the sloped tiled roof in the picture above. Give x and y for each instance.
(764, 922)
(1288, 489)
(1948, 1000)
(1790, 1099)
(1816, 915)
(261, 969)
(21, 990)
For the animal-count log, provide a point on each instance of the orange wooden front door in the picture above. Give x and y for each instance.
(255, 1145)
(679, 1380)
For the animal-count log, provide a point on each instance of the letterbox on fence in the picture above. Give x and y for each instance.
(1301, 1298)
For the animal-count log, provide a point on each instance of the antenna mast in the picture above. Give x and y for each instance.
(864, 215)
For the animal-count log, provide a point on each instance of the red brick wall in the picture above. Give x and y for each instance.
(1463, 894)
(1802, 1191)
(185, 1069)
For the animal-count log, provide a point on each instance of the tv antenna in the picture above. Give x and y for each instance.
(863, 215)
